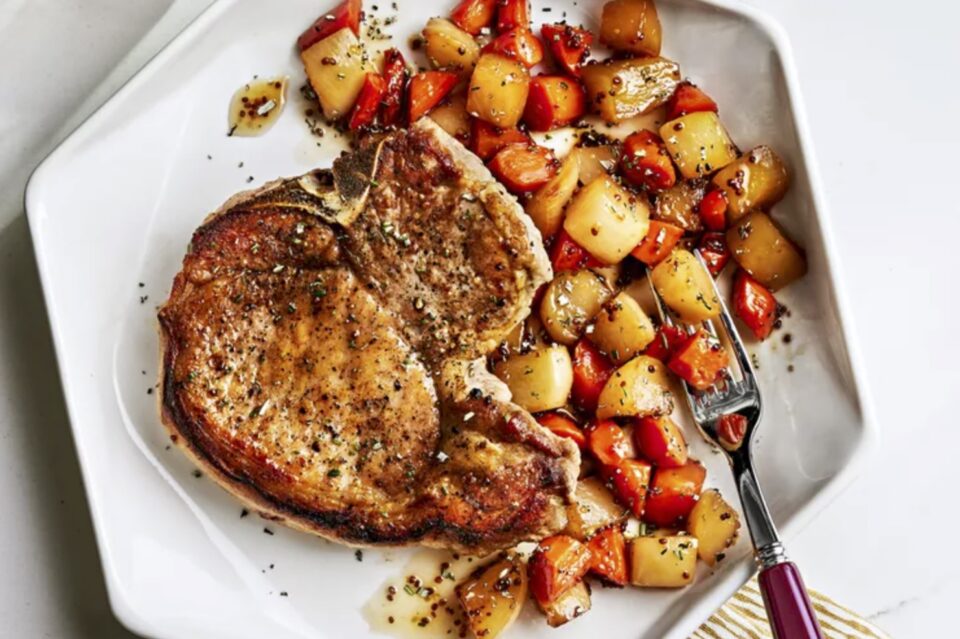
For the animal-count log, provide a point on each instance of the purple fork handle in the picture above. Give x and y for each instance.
(788, 605)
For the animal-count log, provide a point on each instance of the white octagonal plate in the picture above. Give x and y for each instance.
(112, 209)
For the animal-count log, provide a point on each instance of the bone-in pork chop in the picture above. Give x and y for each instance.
(323, 352)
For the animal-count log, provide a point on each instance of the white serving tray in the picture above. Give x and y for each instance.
(112, 209)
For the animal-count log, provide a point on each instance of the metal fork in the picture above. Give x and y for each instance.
(788, 606)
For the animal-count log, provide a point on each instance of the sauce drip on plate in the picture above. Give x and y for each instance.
(256, 106)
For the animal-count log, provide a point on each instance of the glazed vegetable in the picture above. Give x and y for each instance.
(452, 117)
(568, 606)
(396, 77)
(557, 564)
(336, 70)
(660, 441)
(638, 388)
(698, 143)
(714, 251)
(595, 161)
(498, 90)
(763, 251)
(546, 206)
(494, 596)
(513, 14)
(758, 180)
(731, 429)
(715, 524)
(658, 243)
(473, 15)
(591, 370)
(562, 426)
(427, 90)
(567, 255)
(678, 205)
(622, 330)
(606, 220)
(666, 343)
(663, 561)
(700, 361)
(523, 168)
(518, 44)
(487, 138)
(645, 162)
(449, 47)
(368, 101)
(607, 442)
(538, 380)
(688, 98)
(632, 26)
(345, 15)
(713, 210)
(554, 101)
(754, 305)
(631, 480)
(608, 556)
(686, 287)
(620, 89)
(593, 508)
(673, 493)
(570, 302)
(569, 45)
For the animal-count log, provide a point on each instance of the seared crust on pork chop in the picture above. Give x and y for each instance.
(323, 352)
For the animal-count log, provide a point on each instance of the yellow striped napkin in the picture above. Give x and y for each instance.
(743, 617)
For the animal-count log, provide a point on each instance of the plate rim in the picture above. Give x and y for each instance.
(724, 586)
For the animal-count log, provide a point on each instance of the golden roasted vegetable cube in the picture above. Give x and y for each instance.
(638, 388)
(621, 89)
(698, 143)
(678, 205)
(538, 380)
(686, 287)
(622, 330)
(593, 508)
(607, 220)
(763, 251)
(568, 606)
(570, 302)
(453, 118)
(632, 26)
(715, 524)
(595, 161)
(663, 561)
(758, 180)
(494, 596)
(547, 205)
(498, 90)
(450, 47)
(336, 69)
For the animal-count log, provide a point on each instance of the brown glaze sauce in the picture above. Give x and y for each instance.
(256, 106)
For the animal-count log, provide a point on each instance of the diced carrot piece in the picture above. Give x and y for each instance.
(731, 430)
(713, 210)
(345, 15)
(556, 566)
(608, 555)
(661, 441)
(553, 101)
(513, 14)
(567, 255)
(519, 44)
(563, 426)
(673, 493)
(395, 76)
(666, 342)
(631, 481)
(755, 305)
(646, 163)
(523, 167)
(591, 370)
(607, 442)
(569, 45)
(427, 89)
(658, 242)
(700, 360)
(473, 15)
(713, 248)
(487, 139)
(368, 101)
(688, 98)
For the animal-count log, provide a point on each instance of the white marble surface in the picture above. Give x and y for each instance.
(879, 83)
